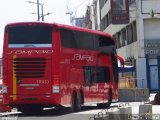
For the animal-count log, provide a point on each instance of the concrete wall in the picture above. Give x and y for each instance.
(129, 50)
(141, 73)
(148, 5)
(152, 28)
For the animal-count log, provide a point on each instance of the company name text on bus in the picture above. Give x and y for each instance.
(29, 52)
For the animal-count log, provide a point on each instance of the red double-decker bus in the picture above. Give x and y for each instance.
(47, 65)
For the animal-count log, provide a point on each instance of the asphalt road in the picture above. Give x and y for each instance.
(64, 114)
(52, 114)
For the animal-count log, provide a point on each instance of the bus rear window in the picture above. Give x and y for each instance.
(29, 36)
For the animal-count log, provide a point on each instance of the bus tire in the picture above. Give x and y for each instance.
(79, 102)
(109, 99)
(73, 107)
(106, 105)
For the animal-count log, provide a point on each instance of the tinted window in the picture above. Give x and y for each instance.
(68, 39)
(76, 39)
(104, 41)
(93, 74)
(88, 74)
(83, 40)
(29, 35)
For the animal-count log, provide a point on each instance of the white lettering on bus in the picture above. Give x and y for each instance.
(29, 52)
(42, 81)
(88, 58)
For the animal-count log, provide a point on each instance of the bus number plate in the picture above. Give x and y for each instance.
(42, 81)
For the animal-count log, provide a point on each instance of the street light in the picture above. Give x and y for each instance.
(71, 17)
(37, 7)
(42, 14)
(45, 15)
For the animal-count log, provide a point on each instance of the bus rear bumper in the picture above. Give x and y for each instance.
(43, 100)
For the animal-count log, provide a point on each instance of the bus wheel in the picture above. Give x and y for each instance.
(109, 99)
(79, 102)
(106, 105)
(74, 103)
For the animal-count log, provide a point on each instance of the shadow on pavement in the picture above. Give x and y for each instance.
(57, 112)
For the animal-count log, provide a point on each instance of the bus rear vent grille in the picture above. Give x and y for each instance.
(29, 67)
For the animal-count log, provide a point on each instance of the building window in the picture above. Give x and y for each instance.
(106, 21)
(109, 18)
(103, 24)
(120, 39)
(123, 37)
(134, 31)
(114, 37)
(102, 3)
(129, 34)
(117, 38)
(96, 74)
(131, 1)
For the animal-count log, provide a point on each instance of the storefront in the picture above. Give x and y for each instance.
(152, 51)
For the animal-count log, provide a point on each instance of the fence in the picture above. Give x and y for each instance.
(128, 82)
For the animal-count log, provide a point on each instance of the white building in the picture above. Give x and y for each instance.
(138, 42)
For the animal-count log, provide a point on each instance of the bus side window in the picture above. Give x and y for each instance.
(90, 74)
(107, 77)
(94, 74)
(87, 74)
(103, 75)
(68, 39)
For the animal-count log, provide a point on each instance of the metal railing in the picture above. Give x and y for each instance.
(129, 82)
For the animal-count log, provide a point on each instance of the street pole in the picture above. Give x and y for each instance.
(40, 15)
(38, 10)
(42, 12)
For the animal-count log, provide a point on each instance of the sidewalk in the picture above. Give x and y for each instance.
(130, 111)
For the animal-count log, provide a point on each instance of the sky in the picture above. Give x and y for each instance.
(20, 11)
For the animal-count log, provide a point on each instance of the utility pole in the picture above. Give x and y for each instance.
(38, 10)
(71, 14)
(42, 12)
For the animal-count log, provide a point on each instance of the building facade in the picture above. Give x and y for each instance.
(138, 41)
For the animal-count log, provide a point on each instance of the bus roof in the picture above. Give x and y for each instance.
(82, 29)
(61, 26)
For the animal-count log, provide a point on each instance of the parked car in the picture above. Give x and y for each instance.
(3, 108)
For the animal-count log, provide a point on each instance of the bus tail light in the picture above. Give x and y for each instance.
(4, 82)
(4, 89)
(56, 82)
(55, 89)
